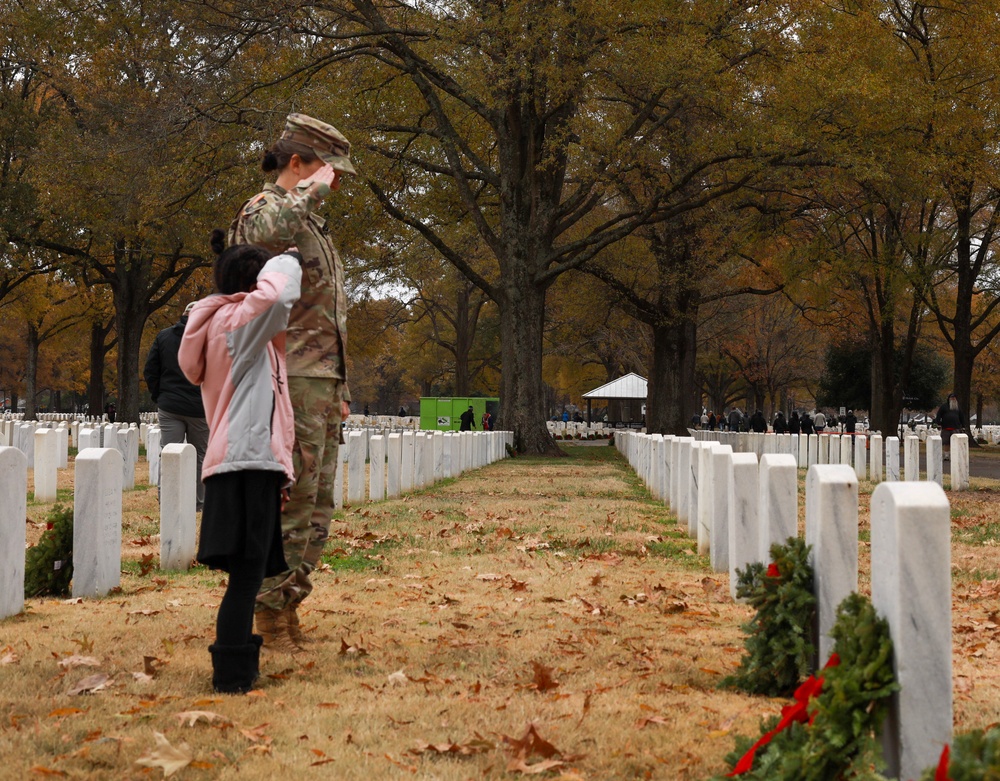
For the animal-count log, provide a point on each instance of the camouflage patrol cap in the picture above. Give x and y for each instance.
(328, 142)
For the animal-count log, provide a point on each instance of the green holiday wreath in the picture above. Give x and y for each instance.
(829, 731)
(48, 565)
(779, 645)
(973, 756)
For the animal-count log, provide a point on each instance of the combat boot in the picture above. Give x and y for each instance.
(294, 630)
(272, 625)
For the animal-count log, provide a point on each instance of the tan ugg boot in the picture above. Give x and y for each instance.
(272, 625)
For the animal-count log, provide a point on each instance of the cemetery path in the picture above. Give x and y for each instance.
(554, 593)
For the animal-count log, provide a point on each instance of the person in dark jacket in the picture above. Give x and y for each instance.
(951, 419)
(793, 422)
(780, 424)
(757, 422)
(178, 402)
(806, 424)
(850, 422)
(468, 420)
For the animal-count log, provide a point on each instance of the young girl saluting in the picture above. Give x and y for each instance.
(234, 348)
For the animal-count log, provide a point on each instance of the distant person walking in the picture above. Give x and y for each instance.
(757, 422)
(850, 423)
(951, 419)
(819, 422)
(178, 402)
(467, 420)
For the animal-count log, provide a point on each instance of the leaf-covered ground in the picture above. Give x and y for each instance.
(536, 617)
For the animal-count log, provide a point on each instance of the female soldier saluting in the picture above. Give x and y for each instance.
(309, 158)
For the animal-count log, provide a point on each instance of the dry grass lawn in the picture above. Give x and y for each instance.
(552, 593)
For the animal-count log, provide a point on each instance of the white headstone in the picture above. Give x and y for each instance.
(778, 507)
(62, 447)
(685, 446)
(911, 589)
(846, 449)
(449, 441)
(892, 472)
(719, 538)
(339, 478)
(178, 500)
(959, 462)
(876, 458)
(744, 541)
(693, 489)
(813, 449)
(394, 459)
(861, 456)
(376, 468)
(427, 470)
(935, 464)
(153, 454)
(13, 511)
(438, 449)
(803, 452)
(128, 443)
(823, 446)
(911, 456)
(406, 476)
(356, 467)
(706, 502)
(832, 531)
(97, 522)
(46, 462)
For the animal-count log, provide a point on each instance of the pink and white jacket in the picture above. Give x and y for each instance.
(234, 348)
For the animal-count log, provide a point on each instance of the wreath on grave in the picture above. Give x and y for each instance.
(974, 756)
(779, 647)
(829, 731)
(48, 565)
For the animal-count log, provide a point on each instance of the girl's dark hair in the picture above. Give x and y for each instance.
(280, 154)
(236, 267)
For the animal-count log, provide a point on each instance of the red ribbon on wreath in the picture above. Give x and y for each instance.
(942, 768)
(798, 711)
(772, 571)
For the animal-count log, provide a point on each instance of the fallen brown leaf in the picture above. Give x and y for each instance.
(171, 759)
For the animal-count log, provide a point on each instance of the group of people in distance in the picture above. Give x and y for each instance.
(268, 352)
(949, 419)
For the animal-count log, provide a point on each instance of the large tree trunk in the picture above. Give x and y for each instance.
(131, 312)
(885, 402)
(31, 372)
(522, 394)
(672, 392)
(98, 351)
(962, 347)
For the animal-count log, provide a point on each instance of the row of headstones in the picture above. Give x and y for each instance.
(737, 506)
(399, 463)
(574, 427)
(411, 460)
(396, 464)
(97, 519)
(871, 458)
(69, 417)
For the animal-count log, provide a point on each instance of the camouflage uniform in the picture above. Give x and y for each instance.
(316, 355)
